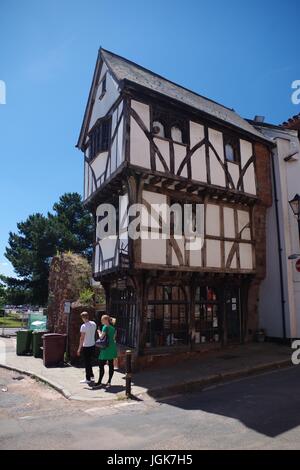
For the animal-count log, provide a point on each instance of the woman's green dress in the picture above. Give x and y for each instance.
(110, 352)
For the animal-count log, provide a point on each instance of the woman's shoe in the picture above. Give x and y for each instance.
(108, 385)
(97, 384)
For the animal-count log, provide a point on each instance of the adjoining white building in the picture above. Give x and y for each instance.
(279, 305)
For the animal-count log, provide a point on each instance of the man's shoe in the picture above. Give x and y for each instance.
(84, 381)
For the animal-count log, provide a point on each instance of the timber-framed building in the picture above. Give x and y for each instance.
(148, 140)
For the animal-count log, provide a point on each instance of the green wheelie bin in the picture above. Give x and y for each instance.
(24, 342)
(37, 343)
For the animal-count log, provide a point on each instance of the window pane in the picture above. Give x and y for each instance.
(229, 152)
(176, 134)
(159, 129)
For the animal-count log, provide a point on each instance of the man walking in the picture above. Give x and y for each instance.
(87, 345)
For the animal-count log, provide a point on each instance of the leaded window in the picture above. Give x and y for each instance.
(167, 317)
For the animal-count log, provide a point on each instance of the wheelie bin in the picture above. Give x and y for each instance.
(37, 343)
(54, 347)
(24, 342)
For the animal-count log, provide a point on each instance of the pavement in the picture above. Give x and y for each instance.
(188, 375)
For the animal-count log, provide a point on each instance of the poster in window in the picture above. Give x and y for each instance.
(209, 315)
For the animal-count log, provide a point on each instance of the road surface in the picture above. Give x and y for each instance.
(260, 412)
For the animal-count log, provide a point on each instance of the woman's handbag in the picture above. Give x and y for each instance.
(102, 343)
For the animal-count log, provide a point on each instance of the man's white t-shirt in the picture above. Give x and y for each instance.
(89, 328)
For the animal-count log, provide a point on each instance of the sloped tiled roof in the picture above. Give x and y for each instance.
(124, 69)
(292, 123)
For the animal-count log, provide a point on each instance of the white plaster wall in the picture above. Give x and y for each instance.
(179, 154)
(198, 165)
(101, 107)
(249, 177)
(217, 174)
(195, 257)
(243, 220)
(213, 220)
(139, 144)
(234, 172)
(108, 246)
(287, 180)
(246, 151)
(216, 139)
(164, 148)
(97, 267)
(229, 227)
(196, 133)
(152, 218)
(154, 251)
(246, 261)
(249, 180)
(99, 164)
(213, 253)
(227, 248)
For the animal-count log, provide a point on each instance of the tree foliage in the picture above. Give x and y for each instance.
(39, 238)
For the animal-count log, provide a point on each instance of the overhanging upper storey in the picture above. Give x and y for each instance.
(135, 118)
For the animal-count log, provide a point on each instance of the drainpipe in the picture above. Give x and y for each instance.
(279, 248)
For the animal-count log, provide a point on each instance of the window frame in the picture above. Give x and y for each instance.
(167, 311)
(168, 120)
(234, 142)
(204, 306)
(103, 86)
(99, 141)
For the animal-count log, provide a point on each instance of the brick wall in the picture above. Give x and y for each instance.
(264, 192)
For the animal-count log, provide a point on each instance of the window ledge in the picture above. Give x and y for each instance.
(155, 136)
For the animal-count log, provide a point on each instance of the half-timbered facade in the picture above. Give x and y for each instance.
(149, 141)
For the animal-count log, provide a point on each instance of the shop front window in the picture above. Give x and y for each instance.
(207, 328)
(167, 317)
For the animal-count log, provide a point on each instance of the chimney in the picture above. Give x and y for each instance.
(259, 119)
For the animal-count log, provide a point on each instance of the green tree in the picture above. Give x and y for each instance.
(39, 238)
(17, 291)
(3, 295)
(73, 225)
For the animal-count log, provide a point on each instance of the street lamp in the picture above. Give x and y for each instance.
(295, 206)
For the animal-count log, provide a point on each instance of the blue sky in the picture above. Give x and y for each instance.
(242, 54)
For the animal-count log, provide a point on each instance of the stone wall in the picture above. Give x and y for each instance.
(69, 275)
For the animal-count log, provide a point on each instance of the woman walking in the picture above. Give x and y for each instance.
(109, 353)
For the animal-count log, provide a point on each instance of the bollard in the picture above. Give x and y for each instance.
(128, 374)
